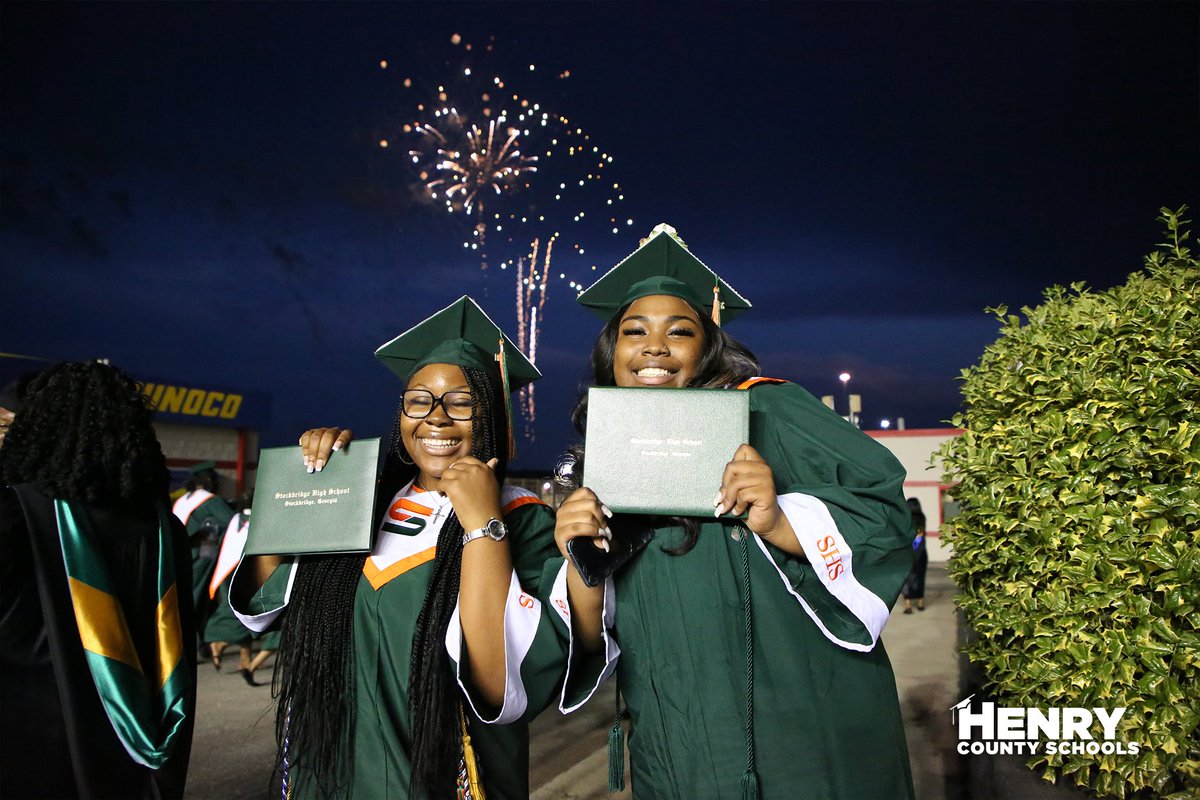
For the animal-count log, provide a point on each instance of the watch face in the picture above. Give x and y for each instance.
(495, 529)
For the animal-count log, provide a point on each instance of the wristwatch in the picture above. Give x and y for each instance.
(494, 530)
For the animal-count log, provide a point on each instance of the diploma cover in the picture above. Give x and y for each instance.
(662, 451)
(324, 512)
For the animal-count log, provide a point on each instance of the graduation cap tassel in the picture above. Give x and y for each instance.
(750, 776)
(475, 788)
(616, 752)
(508, 415)
(716, 309)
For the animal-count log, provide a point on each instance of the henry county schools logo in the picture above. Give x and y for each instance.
(996, 730)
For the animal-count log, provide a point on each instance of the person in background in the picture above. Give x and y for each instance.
(9, 401)
(914, 584)
(206, 516)
(97, 694)
(747, 650)
(6, 417)
(223, 627)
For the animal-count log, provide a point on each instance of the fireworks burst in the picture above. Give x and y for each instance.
(483, 165)
(522, 175)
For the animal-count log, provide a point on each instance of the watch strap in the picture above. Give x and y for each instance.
(485, 531)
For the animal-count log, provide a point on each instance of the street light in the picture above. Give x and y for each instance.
(845, 379)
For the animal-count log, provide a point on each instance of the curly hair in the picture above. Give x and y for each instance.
(724, 362)
(314, 671)
(83, 433)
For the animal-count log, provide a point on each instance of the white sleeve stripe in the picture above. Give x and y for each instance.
(522, 613)
(260, 622)
(832, 559)
(558, 599)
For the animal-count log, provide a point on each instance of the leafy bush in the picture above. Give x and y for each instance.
(1076, 551)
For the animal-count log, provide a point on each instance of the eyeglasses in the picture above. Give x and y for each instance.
(419, 404)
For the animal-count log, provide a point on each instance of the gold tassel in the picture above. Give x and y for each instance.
(716, 309)
(473, 781)
(502, 360)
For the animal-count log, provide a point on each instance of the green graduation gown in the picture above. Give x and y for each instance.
(56, 738)
(204, 556)
(826, 715)
(223, 625)
(386, 604)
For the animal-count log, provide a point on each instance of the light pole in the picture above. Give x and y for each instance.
(845, 379)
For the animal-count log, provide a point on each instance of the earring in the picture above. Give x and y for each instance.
(400, 455)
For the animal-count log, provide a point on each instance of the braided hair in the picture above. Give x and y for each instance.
(313, 681)
(83, 433)
(432, 689)
(724, 362)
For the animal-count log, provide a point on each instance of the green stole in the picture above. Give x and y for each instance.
(146, 711)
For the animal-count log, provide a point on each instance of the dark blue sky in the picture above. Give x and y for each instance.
(196, 191)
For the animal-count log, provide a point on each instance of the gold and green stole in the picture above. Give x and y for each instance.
(147, 710)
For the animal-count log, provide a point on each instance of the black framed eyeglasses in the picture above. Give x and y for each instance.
(419, 404)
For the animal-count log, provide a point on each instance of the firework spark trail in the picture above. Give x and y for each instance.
(528, 313)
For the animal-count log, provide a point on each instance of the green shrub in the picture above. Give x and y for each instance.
(1077, 552)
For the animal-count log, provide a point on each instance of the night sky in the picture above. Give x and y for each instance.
(198, 191)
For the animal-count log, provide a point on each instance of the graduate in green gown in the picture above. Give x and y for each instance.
(223, 628)
(747, 651)
(385, 659)
(206, 516)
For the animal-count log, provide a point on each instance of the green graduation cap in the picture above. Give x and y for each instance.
(460, 334)
(202, 466)
(662, 264)
(463, 335)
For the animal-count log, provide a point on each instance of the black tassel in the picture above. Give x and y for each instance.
(616, 753)
(750, 785)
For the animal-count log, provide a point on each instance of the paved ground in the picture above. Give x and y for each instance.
(234, 748)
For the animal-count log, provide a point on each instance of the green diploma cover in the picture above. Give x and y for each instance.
(662, 451)
(324, 512)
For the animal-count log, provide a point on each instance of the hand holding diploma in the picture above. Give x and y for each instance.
(748, 484)
(318, 443)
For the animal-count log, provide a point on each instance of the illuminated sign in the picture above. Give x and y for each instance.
(205, 405)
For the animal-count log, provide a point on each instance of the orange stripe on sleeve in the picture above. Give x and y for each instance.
(746, 384)
(520, 501)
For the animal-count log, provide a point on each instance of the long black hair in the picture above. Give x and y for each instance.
(83, 433)
(314, 679)
(724, 362)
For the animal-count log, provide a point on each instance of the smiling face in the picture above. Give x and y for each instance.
(659, 343)
(436, 442)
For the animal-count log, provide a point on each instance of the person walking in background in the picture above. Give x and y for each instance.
(914, 584)
(98, 692)
(223, 627)
(206, 516)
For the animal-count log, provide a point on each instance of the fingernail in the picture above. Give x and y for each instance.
(320, 464)
(310, 469)
(720, 510)
(606, 532)
(720, 496)
(337, 445)
(606, 511)
(604, 545)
